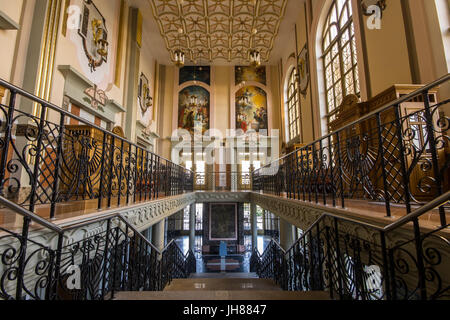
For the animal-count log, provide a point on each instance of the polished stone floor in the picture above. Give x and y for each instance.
(233, 263)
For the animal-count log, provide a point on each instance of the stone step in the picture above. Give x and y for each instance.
(251, 295)
(222, 284)
(221, 275)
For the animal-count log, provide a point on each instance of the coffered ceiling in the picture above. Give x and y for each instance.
(219, 30)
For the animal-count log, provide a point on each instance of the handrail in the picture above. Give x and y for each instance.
(433, 204)
(34, 217)
(439, 201)
(26, 94)
(369, 115)
(25, 213)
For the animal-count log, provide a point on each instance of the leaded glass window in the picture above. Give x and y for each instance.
(339, 55)
(293, 118)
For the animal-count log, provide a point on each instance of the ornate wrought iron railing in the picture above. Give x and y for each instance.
(397, 154)
(116, 258)
(49, 156)
(354, 260)
(222, 181)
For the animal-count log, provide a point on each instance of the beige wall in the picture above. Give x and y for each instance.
(388, 55)
(9, 38)
(387, 59)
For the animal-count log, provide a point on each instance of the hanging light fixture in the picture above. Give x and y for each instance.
(179, 58)
(255, 58)
(179, 54)
(255, 55)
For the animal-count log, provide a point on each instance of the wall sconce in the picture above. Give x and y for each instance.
(99, 36)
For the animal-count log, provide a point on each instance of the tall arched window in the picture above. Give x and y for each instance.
(293, 117)
(339, 54)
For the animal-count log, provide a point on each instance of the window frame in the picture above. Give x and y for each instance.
(337, 40)
(292, 107)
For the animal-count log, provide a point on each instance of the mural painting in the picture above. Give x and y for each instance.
(193, 109)
(250, 74)
(251, 109)
(195, 73)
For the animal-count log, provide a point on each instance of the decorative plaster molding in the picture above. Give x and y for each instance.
(222, 196)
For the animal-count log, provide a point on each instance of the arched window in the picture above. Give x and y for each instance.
(293, 117)
(339, 55)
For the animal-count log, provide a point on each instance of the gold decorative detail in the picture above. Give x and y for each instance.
(98, 97)
(120, 45)
(139, 29)
(47, 54)
(219, 29)
(118, 131)
(144, 97)
(95, 43)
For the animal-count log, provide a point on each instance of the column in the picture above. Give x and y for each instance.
(192, 212)
(286, 234)
(254, 226)
(158, 235)
(132, 77)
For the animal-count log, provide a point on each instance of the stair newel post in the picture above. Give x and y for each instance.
(7, 140)
(319, 257)
(386, 281)
(59, 154)
(55, 274)
(105, 258)
(329, 262)
(22, 257)
(331, 166)
(420, 259)
(340, 170)
(111, 170)
(37, 150)
(115, 261)
(129, 184)
(433, 145)
(392, 274)
(119, 184)
(383, 165)
(338, 258)
(102, 171)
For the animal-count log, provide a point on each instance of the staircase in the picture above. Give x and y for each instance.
(223, 287)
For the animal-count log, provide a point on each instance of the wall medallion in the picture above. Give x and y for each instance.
(303, 69)
(144, 97)
(94, 35)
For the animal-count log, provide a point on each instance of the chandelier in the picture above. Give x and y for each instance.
(179, 54)
(255, 58)
(179, 58)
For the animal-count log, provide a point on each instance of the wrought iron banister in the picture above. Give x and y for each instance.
(386, 106)
(331, 255)
(117, 258)
(398, 154)
(46, 161)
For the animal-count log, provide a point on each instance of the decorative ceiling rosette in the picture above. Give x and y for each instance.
(219, 30)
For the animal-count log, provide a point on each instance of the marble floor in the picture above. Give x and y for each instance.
(233, 263)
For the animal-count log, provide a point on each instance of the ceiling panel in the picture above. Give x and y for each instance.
(219, 30)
